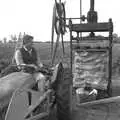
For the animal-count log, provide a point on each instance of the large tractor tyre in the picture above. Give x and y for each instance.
(63, 95)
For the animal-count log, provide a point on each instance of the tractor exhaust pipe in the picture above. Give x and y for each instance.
(92, 5)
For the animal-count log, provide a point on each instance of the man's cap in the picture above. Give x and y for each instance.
(27, 39)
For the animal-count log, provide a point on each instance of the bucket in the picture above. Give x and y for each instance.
(83, 95)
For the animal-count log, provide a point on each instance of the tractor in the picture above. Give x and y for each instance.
(83, 89)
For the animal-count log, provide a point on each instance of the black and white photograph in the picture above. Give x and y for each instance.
(59, 60)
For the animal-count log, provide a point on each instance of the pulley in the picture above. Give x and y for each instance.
(60, 18)
(58, 25)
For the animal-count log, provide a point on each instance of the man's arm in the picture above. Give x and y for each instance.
(39, 63)
(18, 58)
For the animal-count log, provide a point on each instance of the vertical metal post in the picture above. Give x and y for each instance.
(77, 37)
(71, 57)
(80, 10)
(70, 27)
(110, 58)
(92, 5)
(80, 17)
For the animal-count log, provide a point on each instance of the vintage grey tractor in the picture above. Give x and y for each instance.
(21, 98)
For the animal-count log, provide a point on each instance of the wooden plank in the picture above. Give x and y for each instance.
(40, 100)
(39, 116)
(102, 101)
(91, 27)
(89, 39)
(92, 49)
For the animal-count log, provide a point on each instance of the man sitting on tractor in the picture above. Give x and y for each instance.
(28, 61)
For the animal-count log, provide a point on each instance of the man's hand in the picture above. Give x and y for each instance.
(41, 65)
(33, 66)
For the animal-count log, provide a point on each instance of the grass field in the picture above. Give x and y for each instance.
(44, 50)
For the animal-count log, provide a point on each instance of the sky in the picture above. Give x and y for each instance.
(34, 17)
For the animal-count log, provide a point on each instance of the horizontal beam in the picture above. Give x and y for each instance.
(91, 49)
(102, 101)
(93, 39)
(91, 27)
(39, 116)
